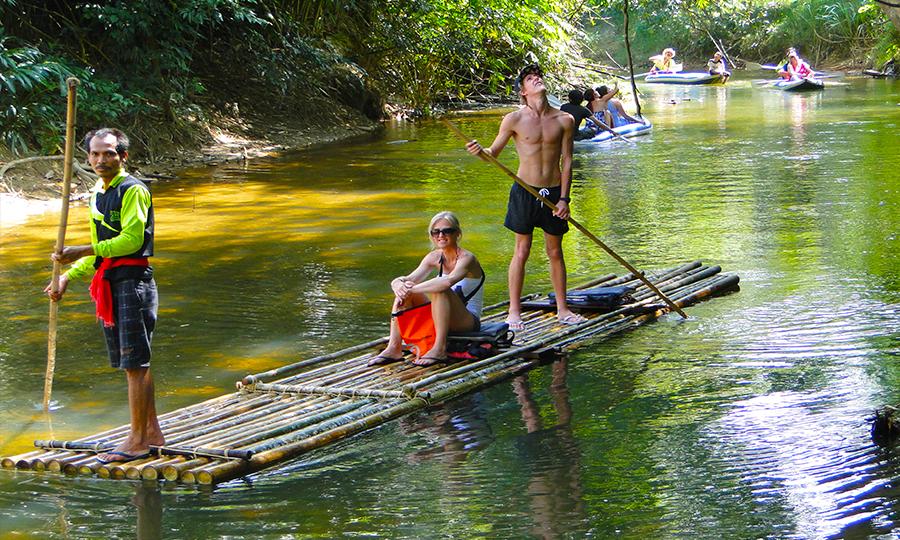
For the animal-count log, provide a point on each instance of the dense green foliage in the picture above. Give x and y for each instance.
(152, 63)
(823, 30)
(162, 70)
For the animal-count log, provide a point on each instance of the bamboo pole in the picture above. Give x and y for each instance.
(266, 419)
(71, 84)
(218, 472)
(331, 391)
(172, 471)
(571, 220)
(73, 468)
(10, 462)
(290, 368)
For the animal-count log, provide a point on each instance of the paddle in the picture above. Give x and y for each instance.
(615, 135)
(816, 74)
(71, 83)
(753, 65)
(571, 220)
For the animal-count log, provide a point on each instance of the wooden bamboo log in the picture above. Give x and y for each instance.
(299, 430)
(158, 450)
(137, 472)
(10, 462)
(73, 468)
(172, 471)
(236, 421)
(618, 325)
(89, 467)
(59, 463)
(290, 368)
(238, 434)
(332, 391)
(322, 373)
(72, 94)
(116, 435)
(289, 424)
(218, 472)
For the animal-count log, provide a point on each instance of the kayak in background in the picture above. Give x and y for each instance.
(628, 130)
(685, 78)
(800, 85)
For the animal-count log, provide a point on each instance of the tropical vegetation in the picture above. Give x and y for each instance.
(164, 70)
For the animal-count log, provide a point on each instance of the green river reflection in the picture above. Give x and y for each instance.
(745, 421)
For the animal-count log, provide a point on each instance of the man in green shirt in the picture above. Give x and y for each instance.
(123, 288)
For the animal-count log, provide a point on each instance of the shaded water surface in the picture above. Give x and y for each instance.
(746, 421)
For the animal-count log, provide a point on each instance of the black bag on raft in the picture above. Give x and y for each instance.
(482, 343)
(598, 297)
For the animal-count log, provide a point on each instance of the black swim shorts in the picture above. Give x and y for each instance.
(525, 212)
(135, 305)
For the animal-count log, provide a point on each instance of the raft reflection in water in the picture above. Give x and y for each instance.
(549, 455)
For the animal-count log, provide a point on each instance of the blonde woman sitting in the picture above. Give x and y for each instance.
(456, 292)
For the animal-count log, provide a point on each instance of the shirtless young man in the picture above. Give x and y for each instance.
(543, 138)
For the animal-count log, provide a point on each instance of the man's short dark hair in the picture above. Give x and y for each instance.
(122, 141)
(589, 94)
(526, 71)
(603, 90)
(575, 96)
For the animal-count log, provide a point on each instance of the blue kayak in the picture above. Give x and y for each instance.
(628, 130)
(684, 78)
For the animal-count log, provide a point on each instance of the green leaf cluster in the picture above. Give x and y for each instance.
(152, 64)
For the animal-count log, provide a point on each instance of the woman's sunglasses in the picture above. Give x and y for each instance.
(445, 231)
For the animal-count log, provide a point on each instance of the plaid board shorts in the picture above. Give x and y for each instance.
(135, 304)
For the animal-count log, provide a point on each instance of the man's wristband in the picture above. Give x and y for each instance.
(566, 199)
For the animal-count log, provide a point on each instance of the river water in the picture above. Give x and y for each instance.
(746, 421)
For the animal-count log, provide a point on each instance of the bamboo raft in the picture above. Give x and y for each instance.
(278, 415)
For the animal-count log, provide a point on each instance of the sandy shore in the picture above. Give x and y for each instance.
(32, 197)
(15, 209)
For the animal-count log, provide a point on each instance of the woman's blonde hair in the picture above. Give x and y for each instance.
(449, 216)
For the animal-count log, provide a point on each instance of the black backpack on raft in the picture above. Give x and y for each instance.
(479, 344)
(599, 298)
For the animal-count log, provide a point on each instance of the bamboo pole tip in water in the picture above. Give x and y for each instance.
(169, 472)
(151, 473)
(188, 477)
(23, 464)
(85, 470)
(104, 472)
(7, 463)
(205, 478)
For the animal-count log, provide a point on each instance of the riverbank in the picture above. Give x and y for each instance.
(34, 187)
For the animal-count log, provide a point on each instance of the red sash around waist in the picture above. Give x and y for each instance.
(101, 291)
